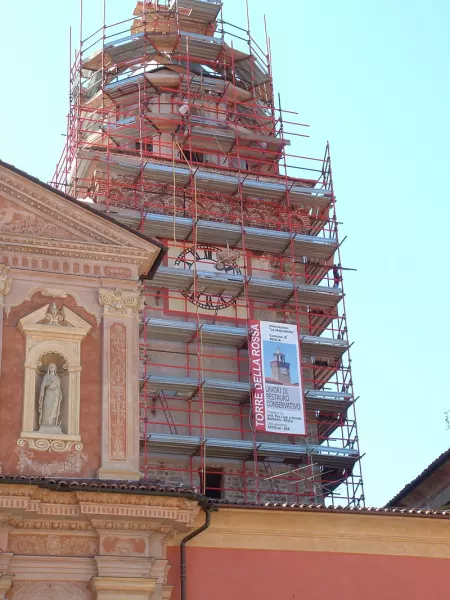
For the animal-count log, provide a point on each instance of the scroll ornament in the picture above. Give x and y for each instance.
(121, 303)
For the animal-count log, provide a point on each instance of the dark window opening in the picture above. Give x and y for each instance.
(147, 147)
(193, 156)
(213, 484)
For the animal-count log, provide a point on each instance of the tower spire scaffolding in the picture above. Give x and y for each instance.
(174, 130)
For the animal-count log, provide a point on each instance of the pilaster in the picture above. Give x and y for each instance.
(120, 404)
(6, 580)
(5, 583)
(5, 286)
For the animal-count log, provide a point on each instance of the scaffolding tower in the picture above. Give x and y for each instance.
(174, 130)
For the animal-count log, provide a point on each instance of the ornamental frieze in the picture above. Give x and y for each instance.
(53, 545)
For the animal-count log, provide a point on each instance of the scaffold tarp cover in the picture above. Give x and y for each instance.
(278, 404)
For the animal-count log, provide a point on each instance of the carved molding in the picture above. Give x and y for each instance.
(144, 512)
(121, 303)
(126, 526)
(74, 497)
(122, 273)
(135, 500)
(61, 444)
(65, 250)
(21, 523)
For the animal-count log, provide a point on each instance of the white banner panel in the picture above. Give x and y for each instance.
(277, 390)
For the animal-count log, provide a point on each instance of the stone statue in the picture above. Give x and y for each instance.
(50, 400)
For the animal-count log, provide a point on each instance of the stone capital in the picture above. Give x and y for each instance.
(121, 303)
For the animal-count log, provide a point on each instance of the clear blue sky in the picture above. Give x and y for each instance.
(371, 77)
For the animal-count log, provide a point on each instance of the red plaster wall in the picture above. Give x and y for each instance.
(11, 390)
(284, 575)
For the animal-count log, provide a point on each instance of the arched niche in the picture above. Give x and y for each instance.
(52, 369)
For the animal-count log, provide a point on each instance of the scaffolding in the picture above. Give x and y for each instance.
(174, 130)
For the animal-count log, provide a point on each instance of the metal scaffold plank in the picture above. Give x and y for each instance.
(216, 232)
(208, 179)
(243, 450)
(268, 290)
(181, 331)
(235, 391)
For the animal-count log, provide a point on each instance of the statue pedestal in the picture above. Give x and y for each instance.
(50, 429)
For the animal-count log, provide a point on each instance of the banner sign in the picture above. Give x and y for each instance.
(275, 367)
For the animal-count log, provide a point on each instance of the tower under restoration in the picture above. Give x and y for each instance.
(173, 129)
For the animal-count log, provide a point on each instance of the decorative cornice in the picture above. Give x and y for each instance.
(52, 209)
(120, 303)
(127, 526)
(74, 250)
(133, 500)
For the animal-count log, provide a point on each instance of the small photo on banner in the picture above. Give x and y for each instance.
(277, 387)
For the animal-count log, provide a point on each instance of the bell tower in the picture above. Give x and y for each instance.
(281, 370)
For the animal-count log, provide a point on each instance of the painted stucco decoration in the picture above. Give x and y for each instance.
(118, 392)
(69, 464)
(53, 545)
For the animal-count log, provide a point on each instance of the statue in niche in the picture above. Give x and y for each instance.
(50, 399)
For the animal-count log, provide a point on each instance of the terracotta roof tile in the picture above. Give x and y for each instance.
(334, 509)
(101, 485)
(159, 488)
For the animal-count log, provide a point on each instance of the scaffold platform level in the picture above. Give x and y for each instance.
(206, 179)
(267, 290)
(201, 49)
(205, 11)
(216, 335)
(243, 449)
(215, 232)
(236, 391)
